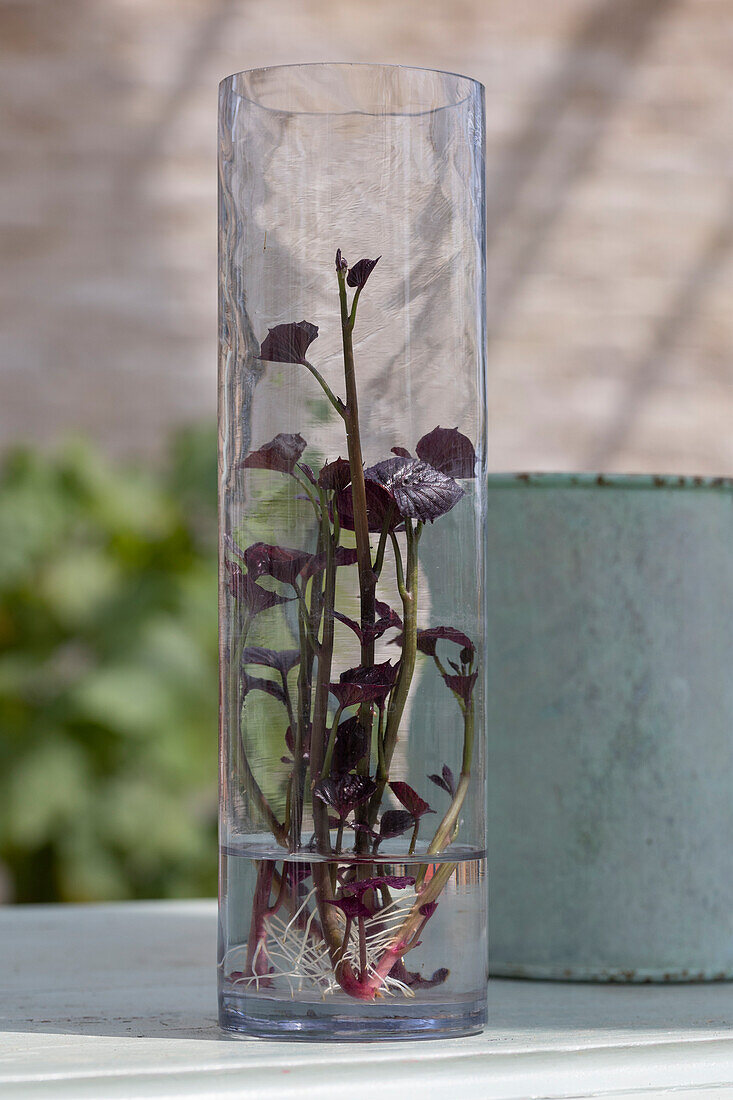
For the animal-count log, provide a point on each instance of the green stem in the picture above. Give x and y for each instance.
(407, 584)
(308, 622)
(308, 491)
(335, 401)
(413, 839)
(379, 560)
(444, 832)
(331, 742)
(367, 580)
(323, 677)
(235, 726)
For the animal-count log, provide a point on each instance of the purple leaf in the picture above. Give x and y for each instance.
(419, 490)
(343, 555)
(395, 882)
(402, 452)
(256, 683)
(283, 660)
(275, 561)
(448, 451)
(288, 343)
(351, 906)
(381, 507)
(387, 619)
(394, 823)
(428, 909)
(281, 454)
(387, 614)
(446, 780)
(410, 799)
(335, 475)
(351, 623)
(365, 685)
(351, 745)
(414, 979)
(244, 588)
(360, 272)
(290, 742)
(427, 639)
(341, 264)
(462, 685)
(344, 793)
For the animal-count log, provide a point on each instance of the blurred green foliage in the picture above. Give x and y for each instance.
(108, 678)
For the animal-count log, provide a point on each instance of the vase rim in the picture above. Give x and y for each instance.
(600, 481)
(472, 85)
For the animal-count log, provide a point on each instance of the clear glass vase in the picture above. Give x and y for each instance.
(352, 453)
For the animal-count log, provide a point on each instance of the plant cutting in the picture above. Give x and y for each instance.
(337, 922)
(352, 867)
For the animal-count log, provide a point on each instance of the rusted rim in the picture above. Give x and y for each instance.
(606, 481)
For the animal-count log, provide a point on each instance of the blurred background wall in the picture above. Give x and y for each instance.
(610, 226)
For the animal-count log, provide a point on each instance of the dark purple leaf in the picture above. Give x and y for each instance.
(387, 619)
(428, 909)
(365, 685)
(351, 623)
(394, 823)
(351, 906)
(360, 272)
(343, 555)
(414, 980)
(283, 660)
(335, 475)
(341, 264)
(290, 742)
(395, 882)
(427, 639)
(281, 454)
(345, 793)
(351, 745)
(275, 561)
(387, 614)
(381, 507)
(288, 343)
(462, 685)
(446, 780)
(419, 490)
(410, 799)
(256, 683)
(402, 452)
(244, 588)
(448, 451)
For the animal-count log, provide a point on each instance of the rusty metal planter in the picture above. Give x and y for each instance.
(610, 727)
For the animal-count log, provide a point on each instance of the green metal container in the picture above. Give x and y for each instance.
(610, 727)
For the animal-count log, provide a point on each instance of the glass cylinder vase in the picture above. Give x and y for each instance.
(352, 454)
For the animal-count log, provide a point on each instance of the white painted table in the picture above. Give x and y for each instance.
(118, 1001)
